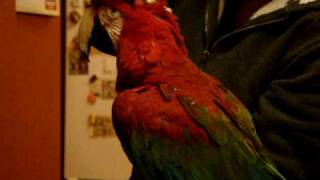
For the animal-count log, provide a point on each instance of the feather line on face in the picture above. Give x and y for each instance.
(112, 21)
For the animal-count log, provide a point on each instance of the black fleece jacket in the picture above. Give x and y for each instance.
(273, 65)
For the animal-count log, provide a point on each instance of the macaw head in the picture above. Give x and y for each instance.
(101, 24)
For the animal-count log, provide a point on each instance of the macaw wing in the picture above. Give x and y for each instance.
(237, 113)
(156, 156)
(164, 159)
(159, 157)
(234, 132)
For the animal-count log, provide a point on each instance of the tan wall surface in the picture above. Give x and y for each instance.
(30, 95)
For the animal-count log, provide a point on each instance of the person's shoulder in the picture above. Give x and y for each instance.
(304, 9)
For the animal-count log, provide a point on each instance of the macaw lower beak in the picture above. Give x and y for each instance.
(92, 33)
(100, 39)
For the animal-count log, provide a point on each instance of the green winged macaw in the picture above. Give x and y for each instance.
(174, 121)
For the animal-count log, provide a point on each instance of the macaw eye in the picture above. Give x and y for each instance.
(113, 14)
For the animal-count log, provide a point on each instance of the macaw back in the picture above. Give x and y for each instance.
(174, 121)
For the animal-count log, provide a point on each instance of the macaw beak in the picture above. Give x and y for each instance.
(92, 33)
(100, 39)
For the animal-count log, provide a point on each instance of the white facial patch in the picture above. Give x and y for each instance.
(112, 22)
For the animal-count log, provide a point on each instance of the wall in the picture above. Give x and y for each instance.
(30, 95)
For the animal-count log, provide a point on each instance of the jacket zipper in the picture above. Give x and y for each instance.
(211, 50)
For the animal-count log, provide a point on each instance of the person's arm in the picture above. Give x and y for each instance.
(288, 116)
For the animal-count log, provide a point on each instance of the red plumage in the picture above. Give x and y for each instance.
(151, 54)
(173, 120)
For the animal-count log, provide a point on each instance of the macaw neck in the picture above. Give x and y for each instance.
(168, 73)
(168, 70)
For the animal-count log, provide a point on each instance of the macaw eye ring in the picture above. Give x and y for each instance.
(112, 13)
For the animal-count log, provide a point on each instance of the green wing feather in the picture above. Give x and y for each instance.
(235, 132)
(237, 113)
(229, 157)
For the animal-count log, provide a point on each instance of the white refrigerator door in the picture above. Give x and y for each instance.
(89, 154)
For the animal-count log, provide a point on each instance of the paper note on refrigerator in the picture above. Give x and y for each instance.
(42, 7)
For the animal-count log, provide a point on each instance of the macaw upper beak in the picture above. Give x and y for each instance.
(92, 33)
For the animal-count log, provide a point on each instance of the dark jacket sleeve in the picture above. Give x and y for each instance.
(288, 120)
(288, 113)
